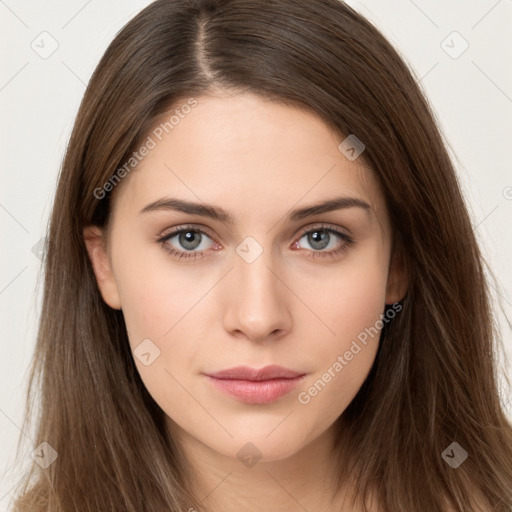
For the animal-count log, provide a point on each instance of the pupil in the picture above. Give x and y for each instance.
(317, 238)
(188, 241)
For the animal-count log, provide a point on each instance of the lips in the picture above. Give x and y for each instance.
(253, 374)
(256, 386)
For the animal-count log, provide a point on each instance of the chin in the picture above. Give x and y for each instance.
(261, 445)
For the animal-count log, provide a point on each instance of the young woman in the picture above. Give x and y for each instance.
(262, 286)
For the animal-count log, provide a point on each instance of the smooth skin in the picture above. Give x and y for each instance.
(294, 305)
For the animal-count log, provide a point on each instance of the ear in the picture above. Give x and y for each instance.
(397, 278)
(96, 247)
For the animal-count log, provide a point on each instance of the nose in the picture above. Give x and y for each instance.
(258, 305)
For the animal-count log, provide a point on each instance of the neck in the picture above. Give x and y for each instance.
(303, 481)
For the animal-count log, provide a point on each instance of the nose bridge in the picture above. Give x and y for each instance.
(259, 305)
(255, 270)
(257, 276)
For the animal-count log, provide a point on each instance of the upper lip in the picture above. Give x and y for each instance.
(256, 374)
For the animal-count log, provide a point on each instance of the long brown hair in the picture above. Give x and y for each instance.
(434, 380)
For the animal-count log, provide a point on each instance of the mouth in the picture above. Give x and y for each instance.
(256, 386)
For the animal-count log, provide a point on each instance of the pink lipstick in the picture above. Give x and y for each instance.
(256, 386)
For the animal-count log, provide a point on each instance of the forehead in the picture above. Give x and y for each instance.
(251, 155)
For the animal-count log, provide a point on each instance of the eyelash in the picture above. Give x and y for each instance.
(194, 255)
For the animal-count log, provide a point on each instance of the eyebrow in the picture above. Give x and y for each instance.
(217, 213)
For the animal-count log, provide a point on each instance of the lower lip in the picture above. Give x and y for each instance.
(256, 392)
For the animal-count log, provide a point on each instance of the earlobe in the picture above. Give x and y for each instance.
(397, 279)
(96, 247)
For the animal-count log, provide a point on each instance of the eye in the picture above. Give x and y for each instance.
(189, 238)
(321, 237)
(190, 244)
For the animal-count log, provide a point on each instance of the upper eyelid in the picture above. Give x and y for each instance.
(185, 227)
(302, 232)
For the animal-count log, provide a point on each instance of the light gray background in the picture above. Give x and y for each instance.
(471, 94)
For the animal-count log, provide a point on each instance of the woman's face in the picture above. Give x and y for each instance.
(249, 282)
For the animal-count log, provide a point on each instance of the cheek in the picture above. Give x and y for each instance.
(154, 292)
(348, 299)
(160, 305)
(161, 311)
(351, 306)
(157, 313)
